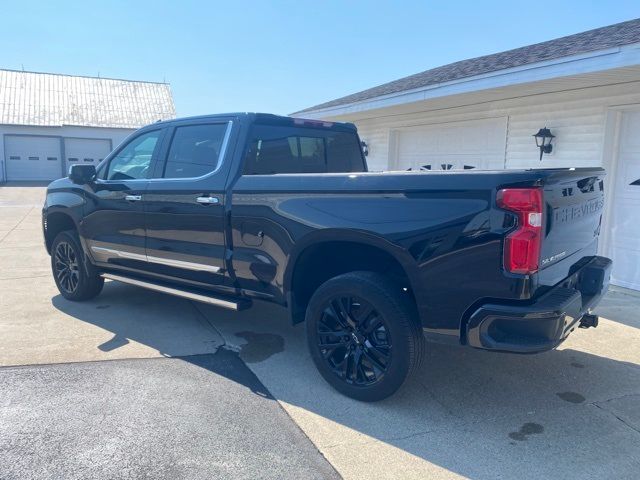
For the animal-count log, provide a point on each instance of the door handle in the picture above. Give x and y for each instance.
(133, 198)
(208, 200)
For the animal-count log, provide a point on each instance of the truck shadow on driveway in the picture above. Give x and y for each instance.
(470, 412)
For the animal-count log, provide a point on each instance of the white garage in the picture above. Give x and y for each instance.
(50, 121)
(482, 113)
(32, 157)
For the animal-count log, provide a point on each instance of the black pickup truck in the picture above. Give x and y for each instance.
(227, 209)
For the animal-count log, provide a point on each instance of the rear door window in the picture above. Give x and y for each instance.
(195, 150)
(280, 149)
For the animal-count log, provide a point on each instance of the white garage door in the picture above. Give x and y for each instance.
(625, 234)
(32, 158)
(477, 144)
(85, 150)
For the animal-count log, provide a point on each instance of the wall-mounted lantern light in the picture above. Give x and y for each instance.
(543, 140)
(365, 148)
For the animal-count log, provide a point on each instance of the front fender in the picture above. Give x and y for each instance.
(69, 203)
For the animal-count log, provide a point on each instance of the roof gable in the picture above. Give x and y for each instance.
(617, 35)
(45, 99)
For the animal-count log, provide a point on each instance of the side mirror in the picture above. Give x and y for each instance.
(82, 174)
(365, 148)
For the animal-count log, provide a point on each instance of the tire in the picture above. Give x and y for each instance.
(375, 342)
(77, 279)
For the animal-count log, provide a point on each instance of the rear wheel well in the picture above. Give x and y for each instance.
(55, 223)
(318, 263)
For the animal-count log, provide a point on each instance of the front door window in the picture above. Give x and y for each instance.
(133, 161)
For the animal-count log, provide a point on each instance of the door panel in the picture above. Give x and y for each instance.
(114, 223)
(185, 239)
(185, 213)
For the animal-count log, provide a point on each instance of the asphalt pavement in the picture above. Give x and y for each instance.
(195, 417)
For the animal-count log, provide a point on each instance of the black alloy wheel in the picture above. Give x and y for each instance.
(364, 335)
(354, 340)
(66, 267)
(77, 279)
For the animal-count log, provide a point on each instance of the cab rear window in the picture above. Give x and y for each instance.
(278, 149)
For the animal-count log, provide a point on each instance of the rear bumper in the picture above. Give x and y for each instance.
(542, 325)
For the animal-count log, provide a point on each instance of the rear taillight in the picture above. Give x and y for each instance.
(522, 246)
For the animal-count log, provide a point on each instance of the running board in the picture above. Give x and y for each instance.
(191, 295)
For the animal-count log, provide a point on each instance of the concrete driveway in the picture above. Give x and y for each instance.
(570, 413)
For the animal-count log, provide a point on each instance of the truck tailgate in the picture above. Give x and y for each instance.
(574, 202)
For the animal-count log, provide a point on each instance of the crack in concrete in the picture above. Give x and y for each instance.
(433, 396)
(25, 278)
(381, 439)
(624, 422)
(17, 224)
(208, 323)
(620, 397)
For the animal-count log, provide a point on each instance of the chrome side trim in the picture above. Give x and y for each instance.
(200, 267)
(231, 305)
(120, 253)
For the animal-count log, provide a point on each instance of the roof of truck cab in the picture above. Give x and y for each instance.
(257, 117)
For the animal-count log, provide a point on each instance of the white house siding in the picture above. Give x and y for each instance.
(114, 135)
(578, 118)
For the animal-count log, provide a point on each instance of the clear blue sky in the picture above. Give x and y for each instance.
(278, 56)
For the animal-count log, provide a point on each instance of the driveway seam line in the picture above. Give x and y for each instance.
(126, 359)
(202, 316)
(624, 422)
(17, 224)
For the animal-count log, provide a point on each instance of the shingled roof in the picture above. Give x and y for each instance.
(624, 33)
(47, 99)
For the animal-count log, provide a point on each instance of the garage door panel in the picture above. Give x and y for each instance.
(32, 157)
(456, 162)
(478, 144)
(86, 150)
(415, 137)
(625, 232)
(629, 177)
(626, 271)
(630, 140)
